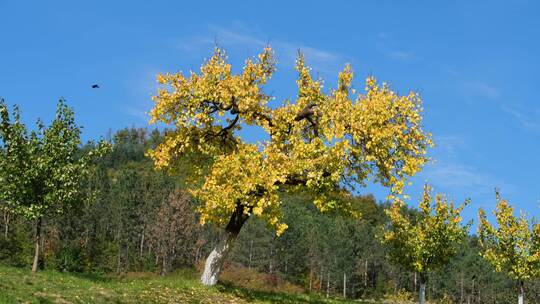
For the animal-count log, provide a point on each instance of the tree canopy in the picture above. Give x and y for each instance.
(42, 170)
(513, 247)
(323, 141)
(428, 241)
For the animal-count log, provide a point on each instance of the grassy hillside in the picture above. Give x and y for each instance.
(21, 286)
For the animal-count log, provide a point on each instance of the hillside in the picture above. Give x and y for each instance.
(21, 286)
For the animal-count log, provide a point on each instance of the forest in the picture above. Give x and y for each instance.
(142, 220)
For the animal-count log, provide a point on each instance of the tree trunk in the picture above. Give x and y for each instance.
(250, 253)
(521, 297)
(271, 262)
(321, 281)
(344, 285)
(414, 283)
(6, 222)
(472, 291)
(365, 273)
(328, 284)
(461, 290)
(118, 259)
(422, 293)
(165, 265)
(214, 263)
(37, 242)
(141, 245)
(310, 279)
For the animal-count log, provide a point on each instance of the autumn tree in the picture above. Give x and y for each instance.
(322, 141)
(175, 231)
(513, 247)
(428, 241)
(41, 173)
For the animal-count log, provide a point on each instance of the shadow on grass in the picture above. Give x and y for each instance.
(273, 297)
(93, 277)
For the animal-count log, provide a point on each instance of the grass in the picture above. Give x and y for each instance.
(21, 286)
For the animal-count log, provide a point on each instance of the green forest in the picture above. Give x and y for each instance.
(142, 220)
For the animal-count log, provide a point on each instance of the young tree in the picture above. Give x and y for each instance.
(427, 242)
(513, 247)
(41, 173)
(322, 141)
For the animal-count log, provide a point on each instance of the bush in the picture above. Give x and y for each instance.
(251, 279)
(401, 297)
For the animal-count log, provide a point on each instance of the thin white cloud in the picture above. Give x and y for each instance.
(286, 51)
(141, 87)
(450, 145)
(387, 47)
(482, 89)
(529, 120)
(456, 176)
(140, 115)
(402, 55)
(194, 44)
(450, 173)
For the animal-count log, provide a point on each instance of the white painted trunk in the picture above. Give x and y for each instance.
(216, 259)
(214, 263)
(422, 295)
(521, 298)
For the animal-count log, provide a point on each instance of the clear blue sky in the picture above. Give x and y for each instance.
(475, 63)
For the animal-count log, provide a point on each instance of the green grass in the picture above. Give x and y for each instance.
(21, 286)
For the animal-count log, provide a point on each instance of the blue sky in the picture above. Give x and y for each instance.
(475, 64)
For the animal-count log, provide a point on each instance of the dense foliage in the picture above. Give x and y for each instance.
(42, 172)
(513, 246)
(321, 141)
(427, 241)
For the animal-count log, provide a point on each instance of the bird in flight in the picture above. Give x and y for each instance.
(95, 86)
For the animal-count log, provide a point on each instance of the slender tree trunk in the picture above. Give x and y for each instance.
(479, 295)
(328, 284)
(214, 263)
(365, 273)
(141, 247)
(6, 222)
(422, 294)
(310, 279)
(472, 291)
(521, 297)
(461, 290)
(37, 242)
(271, 263)
(414, 284)
(250, 253)
(165, 265)
(344, 285)
(321, 281)
(119, 259)
(127, 257)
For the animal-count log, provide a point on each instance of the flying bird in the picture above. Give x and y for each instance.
(95, 86)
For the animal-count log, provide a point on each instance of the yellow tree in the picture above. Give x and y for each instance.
(513, 247)
(427, 241)
(320, 141)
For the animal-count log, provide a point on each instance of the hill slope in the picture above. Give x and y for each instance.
(21, 286)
